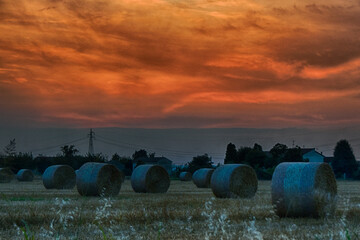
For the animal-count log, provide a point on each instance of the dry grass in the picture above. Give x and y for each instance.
(184, 212)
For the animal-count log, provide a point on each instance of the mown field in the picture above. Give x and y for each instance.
(185, 212)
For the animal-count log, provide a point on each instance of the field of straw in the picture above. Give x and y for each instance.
(29, 211)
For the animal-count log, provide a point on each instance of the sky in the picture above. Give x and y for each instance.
(179, 64)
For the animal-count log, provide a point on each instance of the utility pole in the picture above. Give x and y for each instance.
(91, 136)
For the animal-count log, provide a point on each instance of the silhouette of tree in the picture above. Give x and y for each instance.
(293, 155)
(344, 160)
(10, 149)
(69, 151)
(140, 153)
(231, 154)
(201, 161)
(278, 150)
(115, 157)
(241, 154)
(255, 157)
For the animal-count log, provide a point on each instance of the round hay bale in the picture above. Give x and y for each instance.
(202, 177)
(59, 177)
(150, 179)
(25, 175)
(185, 176)
(304, 190)
(6, 175)
(98, 179)
(234, 181)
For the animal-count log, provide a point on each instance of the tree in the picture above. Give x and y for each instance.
(257, 147)
(293, 155)
(115, 157)
(10, 149)
(344, 160)
(278, 150)
(241, 154)
(231, 154)
(200, 161)
(69, 151)
(255, 157)
(140, 153)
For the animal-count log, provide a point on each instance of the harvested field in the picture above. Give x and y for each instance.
(184, 212)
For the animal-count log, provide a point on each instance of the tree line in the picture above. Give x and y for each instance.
(343, 163)
(264, 162)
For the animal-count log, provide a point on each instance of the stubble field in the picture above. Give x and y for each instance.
(30, 211)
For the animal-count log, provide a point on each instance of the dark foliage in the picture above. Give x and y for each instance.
(241, 153)
(140, 154)
(201, 161)
(344, 161)
(231, 154)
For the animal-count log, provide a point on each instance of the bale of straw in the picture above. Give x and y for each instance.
(25, 175)
(185, 176)
(304, 190)
(59, 177)
(6, 175)
(98, 179)
(234, 181)
(150, 179)
(202, 177)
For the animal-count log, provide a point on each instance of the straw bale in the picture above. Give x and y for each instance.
(304, 190)
(202, 177)
(185, 176)
(59, 177)
(25, 175)
(234, 181)
(150, 179)
(98, 179)
(6, 175)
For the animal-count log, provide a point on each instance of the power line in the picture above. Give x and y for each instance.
(59, 145)
(157, 148)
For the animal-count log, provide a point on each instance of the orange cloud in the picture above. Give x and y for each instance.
(193, 63)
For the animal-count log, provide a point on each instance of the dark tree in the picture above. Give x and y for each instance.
(201, 161)
(344, 160)
(279, 150)
(115, 157)
(152, 155)
(139, 154)
(241, 154)
(255, 157)
(231, 154)
(10, 149)
(69, 151)
(257, 147)
(293, 155)
(277, 153)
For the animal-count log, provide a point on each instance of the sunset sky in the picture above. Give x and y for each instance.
(169, 64)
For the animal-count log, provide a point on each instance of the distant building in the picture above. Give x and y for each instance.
(161, 161)
(307, 154)
(312, 155)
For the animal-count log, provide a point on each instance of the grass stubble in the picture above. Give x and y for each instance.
(29, 211)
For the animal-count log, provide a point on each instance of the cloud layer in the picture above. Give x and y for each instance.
(194, 63)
